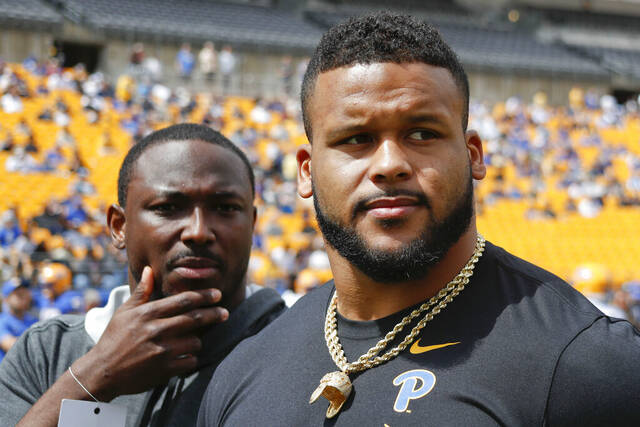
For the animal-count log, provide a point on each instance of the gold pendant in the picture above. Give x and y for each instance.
(336, 388)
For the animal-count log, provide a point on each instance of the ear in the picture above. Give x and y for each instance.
(255, 217)
(476, 157)
(303, 156)
(116, 221)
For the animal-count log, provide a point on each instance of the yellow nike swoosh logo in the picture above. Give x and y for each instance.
(416, 348)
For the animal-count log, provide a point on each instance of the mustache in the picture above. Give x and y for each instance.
(195, 253)
(361, 205)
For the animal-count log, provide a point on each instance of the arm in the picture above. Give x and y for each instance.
(146, 343)
(7, 341)
(597, 378)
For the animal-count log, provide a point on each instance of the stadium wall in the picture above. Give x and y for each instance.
(257, 72)
(493, 87)
(16, 45)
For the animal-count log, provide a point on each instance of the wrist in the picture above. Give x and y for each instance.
(91, 374)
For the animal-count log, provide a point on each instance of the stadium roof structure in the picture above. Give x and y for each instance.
(518, 52)
(195, 20)
(621, 61)
(31, 14)
(588, 20)
(497, 47)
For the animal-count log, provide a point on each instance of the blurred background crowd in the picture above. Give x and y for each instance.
(563, 184)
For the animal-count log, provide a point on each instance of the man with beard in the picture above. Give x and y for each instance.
(425, 323)
(185, 215)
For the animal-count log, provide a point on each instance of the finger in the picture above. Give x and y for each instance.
(181, 303)
(188, 322)
(184, 347)
(143, 291)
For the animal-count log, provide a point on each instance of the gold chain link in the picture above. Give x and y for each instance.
(438, 302)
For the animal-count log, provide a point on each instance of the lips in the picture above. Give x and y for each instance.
(196, 267)
(392, 207)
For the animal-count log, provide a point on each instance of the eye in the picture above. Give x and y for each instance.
(165, 208)
(228, 207)
(357, 139)
(422, 135)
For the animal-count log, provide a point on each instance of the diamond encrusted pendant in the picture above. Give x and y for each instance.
(336, 388)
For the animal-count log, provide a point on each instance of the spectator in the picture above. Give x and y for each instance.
(136, 58)
(227, 62)
(208, 61)
(14, 319)
(21, 161)
(185, 62)
(52, 219)
(9, 229)
(286, 72)
(8, 144)
(56, 295)
(11, 102)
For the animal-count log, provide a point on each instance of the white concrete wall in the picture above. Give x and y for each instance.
(492, 87)
(16, 45)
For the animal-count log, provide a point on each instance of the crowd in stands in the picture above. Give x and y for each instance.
(64, 133)
(567, 148)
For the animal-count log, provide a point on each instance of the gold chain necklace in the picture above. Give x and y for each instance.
(336, 386)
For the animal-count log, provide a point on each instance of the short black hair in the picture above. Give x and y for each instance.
(180, 132)
(381, 37)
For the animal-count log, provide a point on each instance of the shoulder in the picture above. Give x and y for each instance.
(513, 265)
(598, 375)
(58, 324)
(515, 273)
(67, 329)
(519, 299)
(291, 327)
(606, 338)
(291, 323)
(52, 341)
(262, 302)
(252, 363)
(261, 307)
(36, 361)
(297, 319)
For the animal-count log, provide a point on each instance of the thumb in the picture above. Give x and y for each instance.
(143, 291)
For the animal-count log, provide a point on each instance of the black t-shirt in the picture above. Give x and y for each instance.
(518, 346)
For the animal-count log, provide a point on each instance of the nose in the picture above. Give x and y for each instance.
(197, 230)
(389, 163)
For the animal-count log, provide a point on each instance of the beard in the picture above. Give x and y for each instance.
(412, 261)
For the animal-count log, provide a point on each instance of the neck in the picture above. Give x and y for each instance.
(236, 298)
(360, 298)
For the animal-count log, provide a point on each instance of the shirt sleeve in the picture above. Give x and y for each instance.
(20, 386)
(597, 378)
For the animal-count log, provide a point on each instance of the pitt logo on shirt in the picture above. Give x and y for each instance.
(413, 384)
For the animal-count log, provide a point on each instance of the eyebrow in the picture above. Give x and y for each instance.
(343, 131)
(174, 194)
(426, 118)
